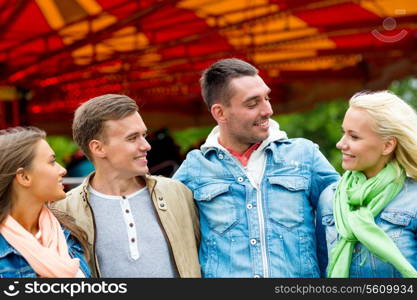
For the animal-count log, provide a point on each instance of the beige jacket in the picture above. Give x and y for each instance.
(175, 208)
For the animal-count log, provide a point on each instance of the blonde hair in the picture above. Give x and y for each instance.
(392, 117)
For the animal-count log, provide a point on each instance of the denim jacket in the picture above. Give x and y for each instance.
(398, 219)
(258, 232)
(13, 264)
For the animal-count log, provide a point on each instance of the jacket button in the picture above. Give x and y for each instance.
(160, 198)
(253, 241)
(221, 156)
(249, 206)
(240, 179)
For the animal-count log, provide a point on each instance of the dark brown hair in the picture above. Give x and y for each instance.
(216, 78)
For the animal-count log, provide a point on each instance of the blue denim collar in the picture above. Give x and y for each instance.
(6, 248)
(274, 149)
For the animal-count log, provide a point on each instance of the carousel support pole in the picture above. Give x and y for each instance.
(3, 123)
(15, 112)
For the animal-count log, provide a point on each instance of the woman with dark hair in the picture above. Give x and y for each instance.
(34, 240)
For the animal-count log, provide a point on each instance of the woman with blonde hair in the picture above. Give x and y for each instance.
(35, 241)
(370, 214)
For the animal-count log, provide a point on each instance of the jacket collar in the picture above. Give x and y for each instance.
(150, 183)
(6, 248)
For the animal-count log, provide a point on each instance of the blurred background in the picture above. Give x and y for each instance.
(56, 54)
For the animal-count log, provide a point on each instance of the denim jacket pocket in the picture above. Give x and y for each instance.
(393, 222)
(327, 220)
(286, 200)
(331, 233)
(18, 274)
(217, 206)
(15, 267)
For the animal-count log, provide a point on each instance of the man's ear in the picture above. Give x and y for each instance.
(23, 178)
(96, 149)
(389, 145)
(218, 112)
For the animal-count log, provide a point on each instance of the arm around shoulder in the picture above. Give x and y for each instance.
(187, 197)
(323, 174)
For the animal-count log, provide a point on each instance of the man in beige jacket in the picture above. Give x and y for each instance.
(137, 225)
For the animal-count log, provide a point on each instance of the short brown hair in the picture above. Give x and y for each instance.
(216, 78)
(89, 118)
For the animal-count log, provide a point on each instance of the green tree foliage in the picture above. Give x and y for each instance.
(63, 146)
(191, 138)
(406, 89)
(322, 125)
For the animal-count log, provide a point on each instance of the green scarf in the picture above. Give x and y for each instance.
(356, 203)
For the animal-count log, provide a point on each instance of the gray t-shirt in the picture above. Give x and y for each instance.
(129, 239)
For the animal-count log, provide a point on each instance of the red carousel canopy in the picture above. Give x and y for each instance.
(58, 53)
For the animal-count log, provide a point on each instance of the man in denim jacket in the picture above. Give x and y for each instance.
(256, 190)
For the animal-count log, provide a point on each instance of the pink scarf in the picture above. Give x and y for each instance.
(48, 257)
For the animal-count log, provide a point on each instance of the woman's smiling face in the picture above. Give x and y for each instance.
(362, 148)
